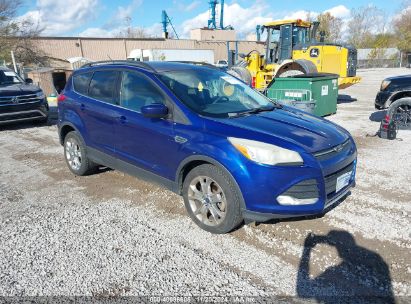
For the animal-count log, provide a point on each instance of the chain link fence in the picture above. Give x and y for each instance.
(381, 58)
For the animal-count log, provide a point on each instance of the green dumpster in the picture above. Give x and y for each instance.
(315, 93)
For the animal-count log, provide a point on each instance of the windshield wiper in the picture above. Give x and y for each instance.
(254, 111)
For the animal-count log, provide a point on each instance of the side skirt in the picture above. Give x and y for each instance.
(120, 165)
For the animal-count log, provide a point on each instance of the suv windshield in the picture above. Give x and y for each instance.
(9, 77)
(214, 93)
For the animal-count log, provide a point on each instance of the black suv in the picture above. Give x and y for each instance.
(392, 89)
(20, 100)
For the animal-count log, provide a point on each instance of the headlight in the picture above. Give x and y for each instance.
(266, 153)
(40, 95)
(385, 84)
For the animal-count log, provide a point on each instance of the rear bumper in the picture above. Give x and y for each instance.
(20, 113)
(345, 82)
(329, 204)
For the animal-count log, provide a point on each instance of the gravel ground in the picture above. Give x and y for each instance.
(111, 234)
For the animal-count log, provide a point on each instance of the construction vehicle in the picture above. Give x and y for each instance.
(291, 49)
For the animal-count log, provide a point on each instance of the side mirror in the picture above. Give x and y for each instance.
(29, 80)
(155, 110)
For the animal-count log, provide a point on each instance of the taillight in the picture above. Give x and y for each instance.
(386, 122)
(61, 98)
(253, 82)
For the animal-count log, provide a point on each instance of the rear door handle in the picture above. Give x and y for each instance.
(82, 107)
(122, 119)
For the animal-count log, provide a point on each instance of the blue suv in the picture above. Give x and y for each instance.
(232, 153)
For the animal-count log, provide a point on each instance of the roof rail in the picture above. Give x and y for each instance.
(199, 63)
(120, 62)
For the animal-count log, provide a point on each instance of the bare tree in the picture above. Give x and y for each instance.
(17, 35)
(402, 27)
(331, 27)
(364, 24)
(132, 32)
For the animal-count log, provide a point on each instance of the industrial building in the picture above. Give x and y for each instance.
(67, 53)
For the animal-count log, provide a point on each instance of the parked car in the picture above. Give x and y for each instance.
(20, 100)
(222, 63)
(392, 89)
(232, 153)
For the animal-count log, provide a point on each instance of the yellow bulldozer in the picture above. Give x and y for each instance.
(291, 49)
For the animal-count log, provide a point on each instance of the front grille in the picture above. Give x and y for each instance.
(334, 151)
(331, 180)
(34, 114)
(303, 190)
(22, 99)
(352, 62)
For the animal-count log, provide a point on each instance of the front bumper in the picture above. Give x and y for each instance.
(381, 100)
(317, 178)
(23, 112)
(263, 217)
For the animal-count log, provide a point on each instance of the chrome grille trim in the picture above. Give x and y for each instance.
(21, 99)
(334, 150)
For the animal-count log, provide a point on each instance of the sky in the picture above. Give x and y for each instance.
(105, 18)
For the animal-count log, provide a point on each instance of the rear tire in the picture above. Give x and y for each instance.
(75, 154)
(212, 199)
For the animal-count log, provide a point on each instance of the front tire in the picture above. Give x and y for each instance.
(212, 199)
(400, 112)
(76, 155)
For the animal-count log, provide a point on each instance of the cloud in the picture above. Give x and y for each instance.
(154, 30)
(301, 14)
(243, 19)
(192, 6)
(122, 13)
(340, 11)
(59, 17)
(97, 32)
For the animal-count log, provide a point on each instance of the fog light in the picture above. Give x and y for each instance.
(292, 201)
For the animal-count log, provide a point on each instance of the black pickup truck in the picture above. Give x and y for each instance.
(20, 100)
(392, 89)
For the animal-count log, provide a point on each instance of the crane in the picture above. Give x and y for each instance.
(165, 20)
(212, 21)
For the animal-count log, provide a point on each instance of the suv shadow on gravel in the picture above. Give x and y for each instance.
(362, 276)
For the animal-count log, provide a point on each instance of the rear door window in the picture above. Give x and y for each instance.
(81, 82)
(103, 86)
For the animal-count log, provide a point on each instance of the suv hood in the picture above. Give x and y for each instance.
(18, 89)
(401, 77)
(311, 133)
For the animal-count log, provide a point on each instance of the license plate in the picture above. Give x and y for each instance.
(343, 181)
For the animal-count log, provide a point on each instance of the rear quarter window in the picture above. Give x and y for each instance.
(81, 82)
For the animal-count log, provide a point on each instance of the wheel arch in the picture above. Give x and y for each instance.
(64, 130)
(398, 95)
(196, 160)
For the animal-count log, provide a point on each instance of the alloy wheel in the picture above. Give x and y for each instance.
(73, 154)
(207, 200)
